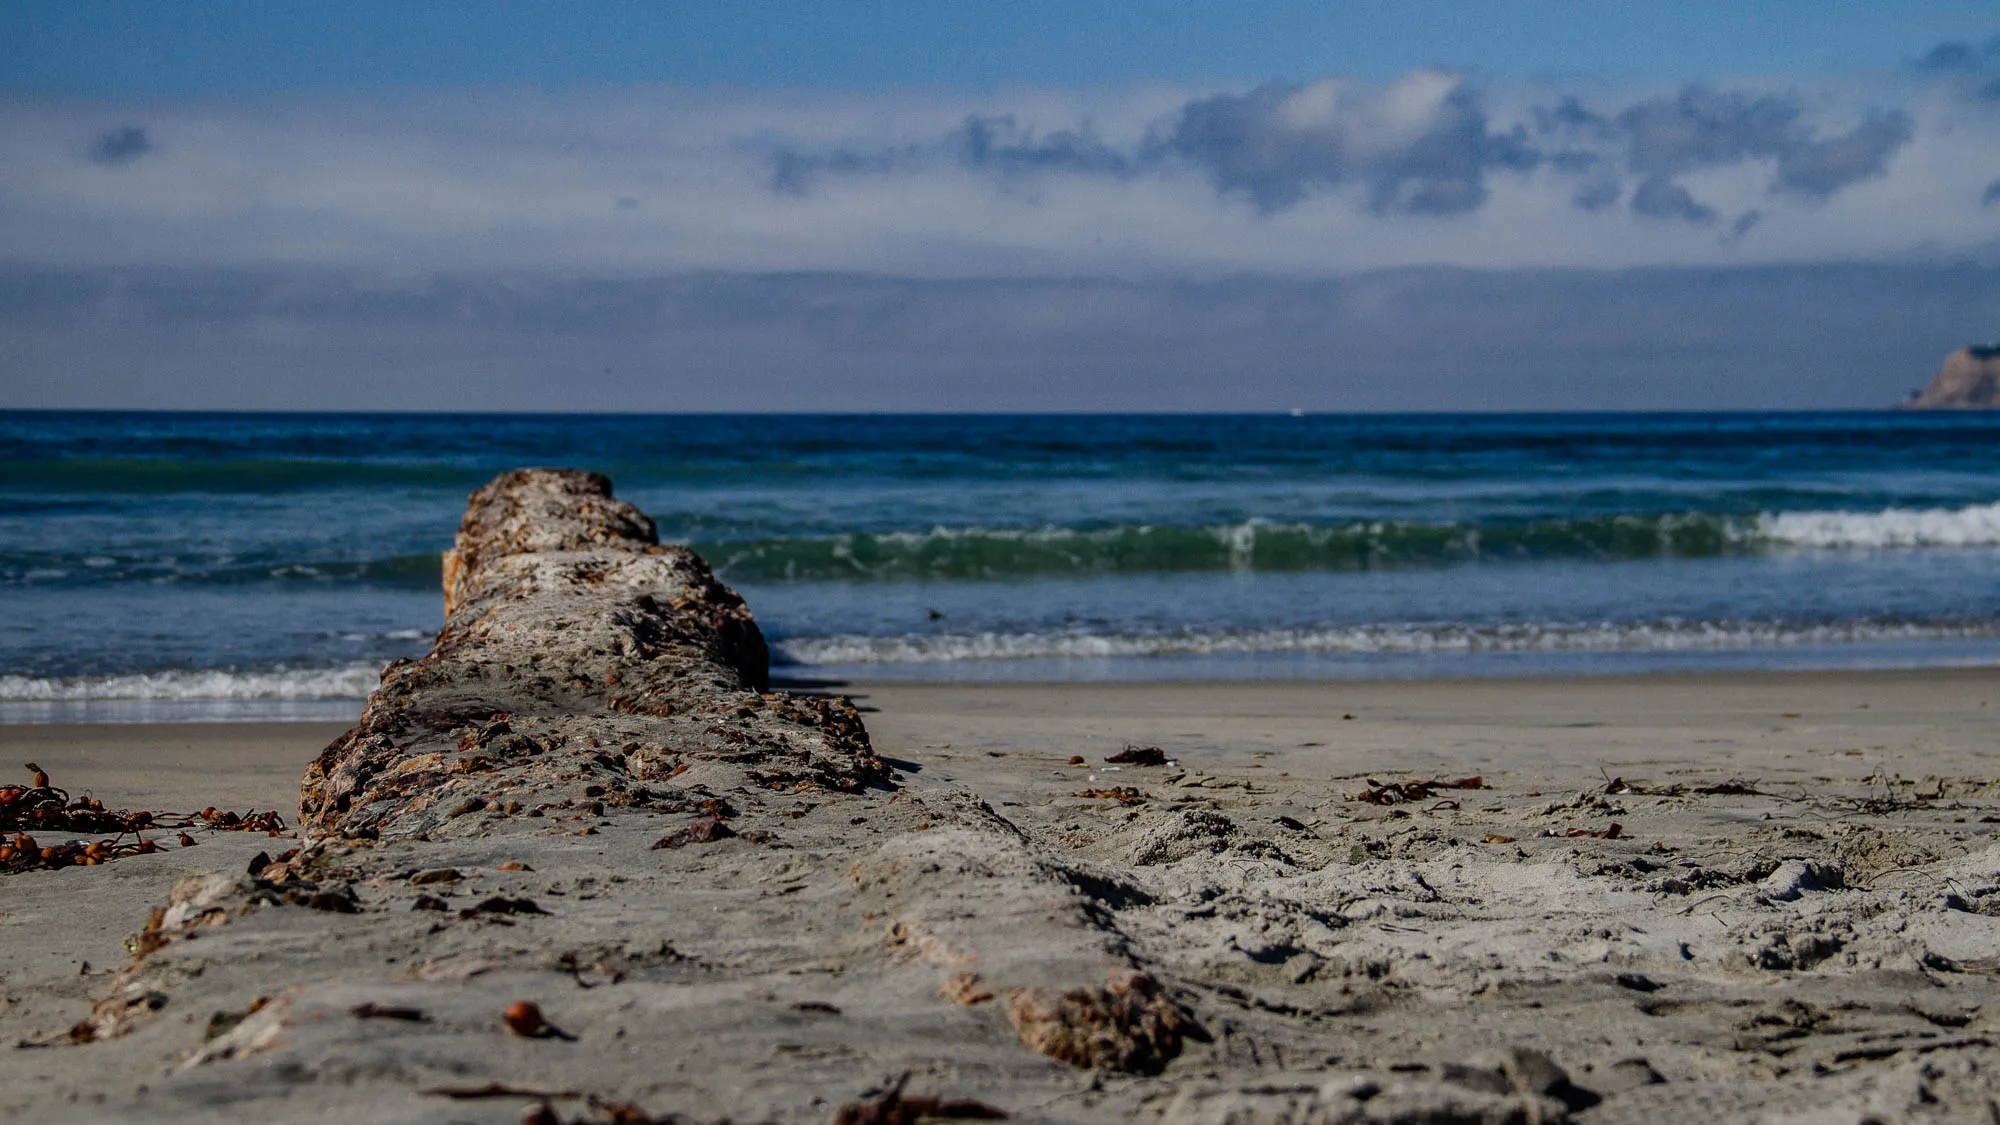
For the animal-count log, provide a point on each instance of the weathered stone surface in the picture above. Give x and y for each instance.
(530, 511)
(577, 654)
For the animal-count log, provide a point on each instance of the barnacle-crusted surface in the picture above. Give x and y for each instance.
(530, 511)
(578, 653)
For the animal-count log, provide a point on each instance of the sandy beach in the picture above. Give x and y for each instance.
(1822, 947)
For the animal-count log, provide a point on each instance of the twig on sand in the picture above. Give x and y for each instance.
(892, 1108)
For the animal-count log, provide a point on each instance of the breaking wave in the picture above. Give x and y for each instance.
(409, 572)
(84, 476)
(1251, 545)
(1670, 636)
(1975, 526)
(351, 681)
(1259, 545)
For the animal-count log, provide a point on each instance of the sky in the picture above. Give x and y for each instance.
(978, 206)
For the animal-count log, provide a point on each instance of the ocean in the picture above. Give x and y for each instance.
(167, 566)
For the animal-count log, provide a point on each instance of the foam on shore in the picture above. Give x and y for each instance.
(348, 681)
(1664, 636)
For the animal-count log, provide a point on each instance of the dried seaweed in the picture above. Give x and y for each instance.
(1397, 792)
(374, 1011)
(499, 905)
(1123, 794)
(1731, 788)
(1889, 801)
(500, 1090)
(1139, 756)
(42, 808)
(893, 1108)
(600, 1110)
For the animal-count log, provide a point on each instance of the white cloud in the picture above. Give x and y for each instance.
(1324, 178)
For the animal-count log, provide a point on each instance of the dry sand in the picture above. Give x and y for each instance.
(1820, 948)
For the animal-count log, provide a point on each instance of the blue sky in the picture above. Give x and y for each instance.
(178, 47)
(327, 205)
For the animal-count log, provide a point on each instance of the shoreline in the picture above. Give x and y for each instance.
(339, 714)
(1534, 725)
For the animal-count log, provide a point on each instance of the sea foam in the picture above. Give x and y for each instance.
(1974, 526)
(1361, 640)
(350, 681)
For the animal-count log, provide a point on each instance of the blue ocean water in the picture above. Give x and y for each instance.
(238, 565)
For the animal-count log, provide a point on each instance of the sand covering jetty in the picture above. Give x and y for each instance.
(579, 863)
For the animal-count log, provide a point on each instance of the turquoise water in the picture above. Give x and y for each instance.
(235, 565)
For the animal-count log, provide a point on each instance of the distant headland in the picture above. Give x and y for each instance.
(1969, 380)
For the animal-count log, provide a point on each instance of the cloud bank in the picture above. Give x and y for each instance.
(1313, 178)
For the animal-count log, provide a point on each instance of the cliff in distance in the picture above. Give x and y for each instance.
(1969, 380)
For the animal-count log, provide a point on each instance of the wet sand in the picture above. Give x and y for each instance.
(1909, 723)
(173, 765)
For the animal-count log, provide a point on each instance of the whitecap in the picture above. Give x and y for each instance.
(1656, 636)
(1974, 526)
(351, 681)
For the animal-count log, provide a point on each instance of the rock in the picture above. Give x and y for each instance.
(1969, 380)
(128, 1003)
(1512, 1070)
(569, 628)
(259, 1030)
(1528, 1071)
(1795, 877)
(200, 899)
